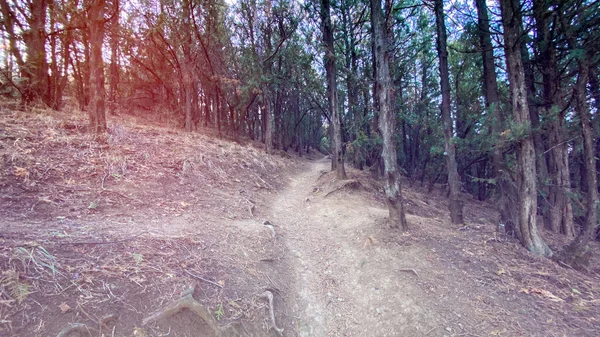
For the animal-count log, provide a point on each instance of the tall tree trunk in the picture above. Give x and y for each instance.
(207, 105)
(560, 214)
(534, 117)
(504, 181)
(456, 205)
(595, 91)
(277, 116)
(579, 253)
(187, 88)
(267, 122)
(187, 84)
(526, 179)
(595, 88)
(387, 118)
(97, 93)
(37, 65)
(114, 60)
(351, 69)
(332, 96)
(66, 41)
(55, 72)
(218, 114)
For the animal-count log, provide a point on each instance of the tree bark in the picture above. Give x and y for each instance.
(188, 82)
(351, 69)
(114, 60)
(492, 103)
(267, 122)
(526, 179)
(455, 205)
(534, 117)
(37, 65)
(579, 252)
(34, 69)
(387, 118)
(330, 68)
(560, 213)
(97, 92)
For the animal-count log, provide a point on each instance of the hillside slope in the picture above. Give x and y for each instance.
(92, 230)
(116, 238)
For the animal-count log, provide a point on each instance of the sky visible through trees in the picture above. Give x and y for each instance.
(497, 100)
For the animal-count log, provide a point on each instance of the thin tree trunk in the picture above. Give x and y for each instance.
(351, 68)
(207, 104)
(387, 119)
(504, 182)
(455, 205)
(187, 84)
(114, 60)
(560, 214)
(332, 96)
(267, 122)
(218, 115)
(97, 93)
(526, 178)
(534, 117)
(579, 253)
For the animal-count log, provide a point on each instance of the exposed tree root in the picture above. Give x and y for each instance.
(351, 184)
(186, 302)
(81, 328)
(269, 297)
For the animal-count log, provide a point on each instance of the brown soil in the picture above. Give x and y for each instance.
(108, 234)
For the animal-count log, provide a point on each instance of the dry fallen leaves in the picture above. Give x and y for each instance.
(21, 172)
(541, 292)
(64, 307)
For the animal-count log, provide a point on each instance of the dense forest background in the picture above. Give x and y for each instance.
(495, 99)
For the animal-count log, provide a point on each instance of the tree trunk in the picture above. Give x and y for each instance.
(387, 118)
(218, 114)
(187, 68)
(560, 214)
(36, 65)
(456, 205)
(97, 93)
(34, 69)
(579, 253)
(534, 117)
(187, 88)
(114, 60)
(351, 68)
(492, 103)
(526, 180)
(207, 104)
(332, 96)
(267, 122)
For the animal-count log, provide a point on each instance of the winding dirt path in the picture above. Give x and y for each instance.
(343, 280)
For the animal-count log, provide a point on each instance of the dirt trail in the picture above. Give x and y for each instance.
(345, 282)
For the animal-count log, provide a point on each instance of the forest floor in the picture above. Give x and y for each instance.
(114, 238)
